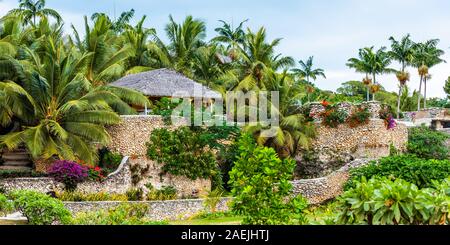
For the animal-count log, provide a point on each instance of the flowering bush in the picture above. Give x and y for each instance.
(359, 117)
(332, 116)
(69, 173)
(386, 114)
(95, 173)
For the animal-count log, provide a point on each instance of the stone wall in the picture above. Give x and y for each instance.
(117, 182)
(333, 147)
(130, 137)
(158, 210)
(326, 188)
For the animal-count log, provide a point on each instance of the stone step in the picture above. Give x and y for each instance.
(10, 156)
(15, 168)
(19, 163)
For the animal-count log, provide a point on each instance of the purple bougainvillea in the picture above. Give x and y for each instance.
(391, 123)
(69, 173)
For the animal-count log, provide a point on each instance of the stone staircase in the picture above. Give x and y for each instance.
(16, 160)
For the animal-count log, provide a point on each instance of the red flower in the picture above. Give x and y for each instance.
(325, 103)
(97, 169)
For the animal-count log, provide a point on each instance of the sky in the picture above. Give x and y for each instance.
(331, 31)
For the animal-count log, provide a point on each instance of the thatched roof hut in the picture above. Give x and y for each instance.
(166, 83)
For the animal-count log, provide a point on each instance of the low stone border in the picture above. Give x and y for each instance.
(158, 210)
(117, 182)
(323, 189)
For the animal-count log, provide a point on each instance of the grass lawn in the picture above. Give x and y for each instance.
(223, 220)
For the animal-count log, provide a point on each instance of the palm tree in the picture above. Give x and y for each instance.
(372, 62)
(29, 10)
(120, 24)
(67, 120)
(425, 56)
(106, 63)
(402, 52)
(257, 59)
(294, 132)
(230, 36)
(137, 37)
(362, 65)
(307, 72)
(184, 39)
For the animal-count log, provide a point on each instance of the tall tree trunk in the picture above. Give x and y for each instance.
(374, 83)
(368, 94)
(398, 100)
(420, 90)
(425, 93)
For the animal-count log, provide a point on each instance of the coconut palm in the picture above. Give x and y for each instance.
(425, 56)
(106, 63)
(401, 51)
(29, 10)
(306, 70)
(257, 59)
(184, 39)
(67, 118)
(294, 132)
(137, 37)
(118, 25)
(231, 36)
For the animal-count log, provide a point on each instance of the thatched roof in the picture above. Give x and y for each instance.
(165, 83)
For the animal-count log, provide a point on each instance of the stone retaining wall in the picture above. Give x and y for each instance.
(333, 147)
(322, 189)
(158, 210)
(130, 137)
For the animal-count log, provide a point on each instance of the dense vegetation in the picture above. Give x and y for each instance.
(418, 171)
(261, 187)
(427, 143)
(55, 97)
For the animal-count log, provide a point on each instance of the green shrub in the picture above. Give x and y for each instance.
(183, 152)
(6, 206)
(261, 186)
(4, 174)
(165, 193)
(135, 194)
(124, 214)
(213, 199)
(386, 202)
(420, 172)
(74, 196)
(427, 143)
(108, 160)
(38, 208)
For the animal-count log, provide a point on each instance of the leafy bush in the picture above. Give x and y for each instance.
(386, 202)
(74, 196)
(125, 214)
(212, 200)
(333, 116)
(95, 173)
(40, 209)
(6, 206)
(135, 194)
(261, 187)
(165, 193)
(69, 173)
(420, 172)
(108, 160)
(359, 117)
(183, 152)
(4, 174)
(427, 143)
